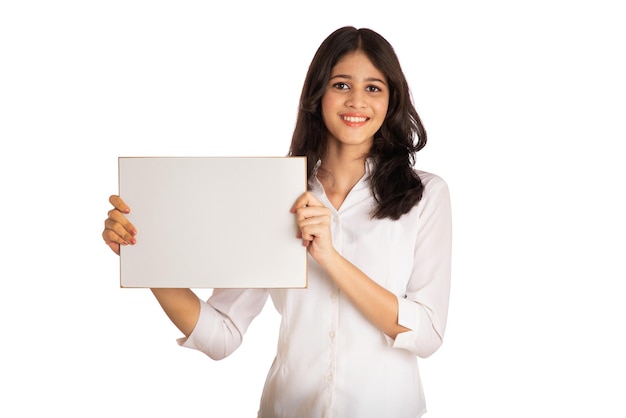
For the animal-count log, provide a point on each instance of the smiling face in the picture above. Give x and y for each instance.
(355, 102)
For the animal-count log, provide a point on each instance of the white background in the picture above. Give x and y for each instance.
(524, 103)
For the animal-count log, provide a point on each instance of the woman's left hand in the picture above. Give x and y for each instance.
(313, 219)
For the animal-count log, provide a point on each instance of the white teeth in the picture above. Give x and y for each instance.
(354, 119)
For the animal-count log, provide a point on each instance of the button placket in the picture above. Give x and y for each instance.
(333, 325)
(333, 295)
(337, 233)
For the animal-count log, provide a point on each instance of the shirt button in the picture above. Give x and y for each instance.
(329, 377)
(331, 334)
(333, 295)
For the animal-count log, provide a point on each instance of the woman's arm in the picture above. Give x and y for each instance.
(182, 307)
(378, 304)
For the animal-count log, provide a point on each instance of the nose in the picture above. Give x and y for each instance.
(356, 99)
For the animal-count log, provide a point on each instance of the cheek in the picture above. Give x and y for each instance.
(381, 115)
(382, 107)
(326, 103)
(381, 111)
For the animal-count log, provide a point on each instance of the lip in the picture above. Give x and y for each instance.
(354, 119)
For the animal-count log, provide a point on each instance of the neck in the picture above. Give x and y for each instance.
(338, 175)
(344, 162)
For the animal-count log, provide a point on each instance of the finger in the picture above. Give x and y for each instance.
(119, 204)
(314, 231)
(115, 247)
(116, 216)
(314, 220)
(312, 212)
(320, 220)
(305, 199)
(304, 241)
(116, 232)
(113, 240)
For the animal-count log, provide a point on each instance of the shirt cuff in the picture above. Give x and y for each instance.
(407, 317)
(199, 335)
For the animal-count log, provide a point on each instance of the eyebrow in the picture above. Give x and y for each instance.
(369, 79)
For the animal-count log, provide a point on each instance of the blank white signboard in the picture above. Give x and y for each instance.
(213, 222)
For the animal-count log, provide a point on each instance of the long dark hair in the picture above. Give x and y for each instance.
(395, 184)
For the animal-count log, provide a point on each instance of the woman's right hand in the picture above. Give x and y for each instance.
(117, 229)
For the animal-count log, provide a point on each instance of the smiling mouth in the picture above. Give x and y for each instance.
(355, 119)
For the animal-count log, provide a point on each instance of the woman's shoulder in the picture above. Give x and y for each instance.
(431, 180)
(435, 196)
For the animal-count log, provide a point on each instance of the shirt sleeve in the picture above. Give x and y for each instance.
(223, 321)
(424, 308)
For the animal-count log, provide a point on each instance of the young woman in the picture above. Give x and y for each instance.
(378, 234)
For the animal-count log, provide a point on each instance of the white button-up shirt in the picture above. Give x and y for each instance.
(331, 362)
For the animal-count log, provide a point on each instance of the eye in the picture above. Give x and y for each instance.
(341, 86)
(373, 89)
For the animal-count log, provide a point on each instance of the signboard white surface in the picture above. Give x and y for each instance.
(213, 222)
